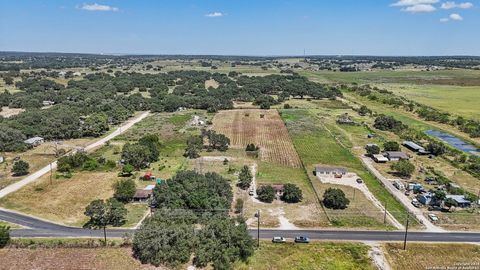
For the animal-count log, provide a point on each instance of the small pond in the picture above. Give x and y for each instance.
(454, 141)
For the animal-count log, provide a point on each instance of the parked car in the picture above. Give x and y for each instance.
(251, 192)
(416, 203)
(433, 217)
(407, 193)
(279, 239)
(302, 239)
(359, 180)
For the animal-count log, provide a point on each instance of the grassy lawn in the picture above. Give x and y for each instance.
(68, 258)
(432, 256)
(315, 145)
(11, 225)
(439, 77)
(317, 255)
(135, 213)
(459, 100)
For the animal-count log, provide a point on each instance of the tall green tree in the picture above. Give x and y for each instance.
(291, 193)
(124, 190)
(153, 143)
(221, 242)
(105, 213)
(403, 168)
(136, 154)
(245, 178)
(335, 198)
(166, 238)
(391, 146)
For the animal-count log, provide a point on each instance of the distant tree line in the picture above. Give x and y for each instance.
(89, 106)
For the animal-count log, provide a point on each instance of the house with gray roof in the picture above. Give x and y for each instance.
(461, 200)
(35, 141)
(396, 155)
(330, 171)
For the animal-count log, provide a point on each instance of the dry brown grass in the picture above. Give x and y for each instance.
(211, 83)
(69, 258)
(9, 112)
(37, 157)
(432, 256)
(247, 126)
(65, 200)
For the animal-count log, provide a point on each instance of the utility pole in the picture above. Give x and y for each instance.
(406, 233)
(258, 228)
(51, 172)
(353, 199)
(385, 214)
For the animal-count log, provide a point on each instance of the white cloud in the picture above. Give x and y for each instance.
(97, 7)
(451, 4)
(403, 3)
(215, 14)
(444, 20)
(455, 17)
(419, 8)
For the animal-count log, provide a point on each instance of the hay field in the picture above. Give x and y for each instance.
(269, 133)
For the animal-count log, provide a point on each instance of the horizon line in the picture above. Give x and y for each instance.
(239, 55)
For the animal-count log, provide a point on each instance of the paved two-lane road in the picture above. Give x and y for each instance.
(40, 228)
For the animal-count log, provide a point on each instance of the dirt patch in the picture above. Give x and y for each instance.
(69, 258)
(211, 83)
(9, 112)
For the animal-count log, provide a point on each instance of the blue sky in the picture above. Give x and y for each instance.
(242, 27)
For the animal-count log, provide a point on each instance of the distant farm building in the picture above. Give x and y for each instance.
(48, 103)
(415, 147)
(330, 171)
(380, 158)
(460, 200)
(396, 155)
(142, 195)
(35, 141)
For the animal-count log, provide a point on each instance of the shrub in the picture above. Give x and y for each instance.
(372, 150)
(20, 168)
(391, 146)
(4, 235)
(90, 165)
(266, 194)
(292, 193)
(127, 170)
(436, 149)
(239, 206)
(403, 168)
